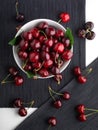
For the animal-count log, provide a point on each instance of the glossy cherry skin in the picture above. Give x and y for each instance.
(23, 45)
(20, 17)
(81, 108)
(48, 63)
(27, 36)
(43, 72)
(57, 104)
(59, 33)
(59, 48)
(82, 79)
(67, 55)
(43, 25)
(49, 42)
(66, 95)
(82, 117)
(35, 44)
(52, 121)
(17, 103)
(13, 71)
(45, 55)
(22, 111)
(55, 70)
(50, 31)
(65, 17)
(42, 38)
(23, 55)
(77, 70)
(27, 67)
(34, 57)
(18, 80)
(35, 32)
(36, 65)
(66, 42)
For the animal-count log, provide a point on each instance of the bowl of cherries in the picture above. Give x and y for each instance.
(43, 49)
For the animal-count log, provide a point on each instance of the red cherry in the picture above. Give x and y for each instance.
(18, 80)
(59, 47)
(45, 55)
(66, 42)
(36, 65)
(23, 45)
(66, 95)
(57, 104)
(82, 117)
(27, 67)
(42, 38)
(50, 31)
(34, 57)
(13, 71)
(43, 25)
(22, 111)
(35, 44)
(65, 17)
(35, 32)
(49, 42)
(17, 102)
(80, 108)
(67, 55)
(52, 121)
(82, 79)
(27, 36)
(43, 72)
(48, 63)
(23, 55)
(77, 71)
(59, 33)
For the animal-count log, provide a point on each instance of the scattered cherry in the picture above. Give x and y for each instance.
(66, 95)
(17, 103)
(13, 71)
(82, 33)
(77, 70)
(82, 117)
(82, 79)
(22, 111)
(89, 25)
(18, 80)
(52, 121)
(81, 108)
(65, 17)
(57, 104)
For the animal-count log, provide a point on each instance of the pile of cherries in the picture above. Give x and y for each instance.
(18, 103)
(44, 49)
(13, 74)
(87, 32)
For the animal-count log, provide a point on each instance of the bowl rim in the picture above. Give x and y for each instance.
(22, 29)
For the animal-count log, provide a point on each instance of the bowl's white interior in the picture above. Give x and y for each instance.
(27, 27)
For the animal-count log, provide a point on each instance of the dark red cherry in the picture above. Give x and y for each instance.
(23, 45)
(27, 36)
(66, 95)
(57, 104)
(80, 108)
(67, 55)
(49, 42)
(22, 111)
(65, 17)
(52, 121)
(35, 44)
(13, 71)
(77, 70)
(82, 79)
(17, 102)
(35, 32)
(59, 33)
(50, 31)
(45, 55)
(42, 38)
(55, 70)
(43, 25)
(45, 48)
(23, 55)
(36, 65)
(48, 63)
(20, 17)
(34, 57)
(90, 35)
(27, 67)
(82, 117)
(59, 48)
(82, 33)
(43, 72)
(66, 42)
(18, 80)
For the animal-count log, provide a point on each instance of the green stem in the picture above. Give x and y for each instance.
(95, 110)
(60, 94)
(25, 64)
(51, 95)
(59, 20)
(3, 81)
(16, 7)
(88, 71)
(49, 127)
(91, 114)
(43, 33)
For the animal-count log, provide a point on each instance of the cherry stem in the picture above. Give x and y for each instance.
(91, 113)
(25, 64)
(51, 94)
(39, 67)
(60, 94)
(16, 7)
(43, 33)
(88, 71)
(31, 103)
(49, 127)
(59, 20)
(95, 110)
(4, 80)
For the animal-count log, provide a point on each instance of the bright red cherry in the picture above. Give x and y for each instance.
(82, 117)
(81, 108)
(52, 121)
(23, 45)
(43, 72)
(66, 42)
(13, 71)
(34, 57)
(50, 31)
(57, 104)
(82, 79)
(35, 44)
(66, 95)
(18, 80)
(77, 70)
(49, 42)
(48, 63)
(59, 33)
(42, 38)
(67, 55)
(17, 103)
(59, 47)
(23, 55)
(35, 32)
(65, 17)
(22, 111)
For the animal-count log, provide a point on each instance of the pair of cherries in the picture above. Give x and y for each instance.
(80, 77)
(18, 103)
(81, 109)
(17, 79)
(57, 104)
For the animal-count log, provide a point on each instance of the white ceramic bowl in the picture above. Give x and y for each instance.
(27, 27)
